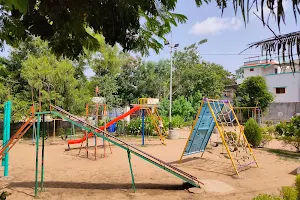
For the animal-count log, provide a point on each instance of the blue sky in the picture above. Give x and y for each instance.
(226, 34)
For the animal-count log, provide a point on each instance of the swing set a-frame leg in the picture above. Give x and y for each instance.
(223, 138)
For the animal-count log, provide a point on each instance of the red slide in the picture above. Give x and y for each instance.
(107, 125)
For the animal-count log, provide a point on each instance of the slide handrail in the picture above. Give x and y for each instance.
(126, 144)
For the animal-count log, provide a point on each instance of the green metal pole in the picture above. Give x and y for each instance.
(37, 155)
(43, 153)
(6, 133)
(132, 176)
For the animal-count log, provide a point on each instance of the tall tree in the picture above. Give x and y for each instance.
(252, 92)
(63, 23)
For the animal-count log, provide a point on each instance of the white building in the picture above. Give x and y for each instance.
(282, 82)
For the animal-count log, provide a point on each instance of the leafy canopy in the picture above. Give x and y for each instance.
(65, 23)
(252, 92)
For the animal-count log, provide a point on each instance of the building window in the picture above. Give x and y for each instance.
(280, 90)
(276, 71)
(251, 70)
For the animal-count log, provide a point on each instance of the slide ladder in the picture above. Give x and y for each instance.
(129, 148)
(155, 119)
(17, 136)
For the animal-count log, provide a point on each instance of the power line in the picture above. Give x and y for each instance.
(228, 54)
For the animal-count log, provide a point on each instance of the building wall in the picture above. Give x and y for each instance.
(281, 111)
(289, 81)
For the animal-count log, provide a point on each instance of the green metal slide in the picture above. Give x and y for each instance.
(127, 147)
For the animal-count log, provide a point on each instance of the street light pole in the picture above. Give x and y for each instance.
(171, 73)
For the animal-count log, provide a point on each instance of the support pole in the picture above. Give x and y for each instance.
(43, 153)
(143, 127)
(37, 155)
(131, 172)
(6, 134)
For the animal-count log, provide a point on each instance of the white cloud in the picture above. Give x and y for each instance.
(212, 25)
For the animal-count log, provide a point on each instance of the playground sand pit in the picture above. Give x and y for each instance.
(69, 176)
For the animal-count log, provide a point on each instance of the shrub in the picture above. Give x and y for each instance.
(230, 136)
(269, 123)
(289, 193)
(266, 138)
(280, 128)
(253, 132)
(297, 183)
(266, 197)
(177, 121)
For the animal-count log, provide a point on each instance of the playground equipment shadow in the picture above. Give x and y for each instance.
(100, 186)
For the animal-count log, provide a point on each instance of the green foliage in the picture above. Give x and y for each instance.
(297, 183)
(135, 127)
(253, 91)
(253, 132)
(268, 130)
(286, 193)
(290, 132)
(289, 193)
(230, 136)
(181, 107)
(266, 197)
(177, 121)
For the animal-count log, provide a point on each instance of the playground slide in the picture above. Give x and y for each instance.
(107, 125)
(127, 147)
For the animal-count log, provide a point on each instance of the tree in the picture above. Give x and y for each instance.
(253, 91)
(192, 75)
(63, 23)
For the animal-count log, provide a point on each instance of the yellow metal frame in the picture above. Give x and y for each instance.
(143, 102)
(221, 132)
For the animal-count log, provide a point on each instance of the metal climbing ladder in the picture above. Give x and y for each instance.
(155, 120)
(5, 148)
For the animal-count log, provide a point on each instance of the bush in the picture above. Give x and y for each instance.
(286, 193)
(266, 197)
(230, 136)
(280, 128)
(289, 193)
(266, 138)
(253, 132)
(177, 121)
(269, 123)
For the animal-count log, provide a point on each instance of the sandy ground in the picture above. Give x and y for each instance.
(69, 176)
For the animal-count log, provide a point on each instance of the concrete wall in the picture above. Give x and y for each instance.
(281, 111)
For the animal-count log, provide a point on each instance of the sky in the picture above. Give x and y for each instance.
(226, 34)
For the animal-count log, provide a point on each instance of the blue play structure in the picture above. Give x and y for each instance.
(6, 134)
(203, 129)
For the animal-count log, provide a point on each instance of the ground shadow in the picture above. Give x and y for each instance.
(183, 160)
(100, 186)
(284, 153)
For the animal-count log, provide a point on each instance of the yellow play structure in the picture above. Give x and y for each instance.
(220, 114)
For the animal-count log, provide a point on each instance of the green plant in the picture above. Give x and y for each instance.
(266, 138)
(269, 123)
(177, 121)
(280, 128)
(297, 183)
(289, 193)
(253, 132)
(266, 197)
(230, 136)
